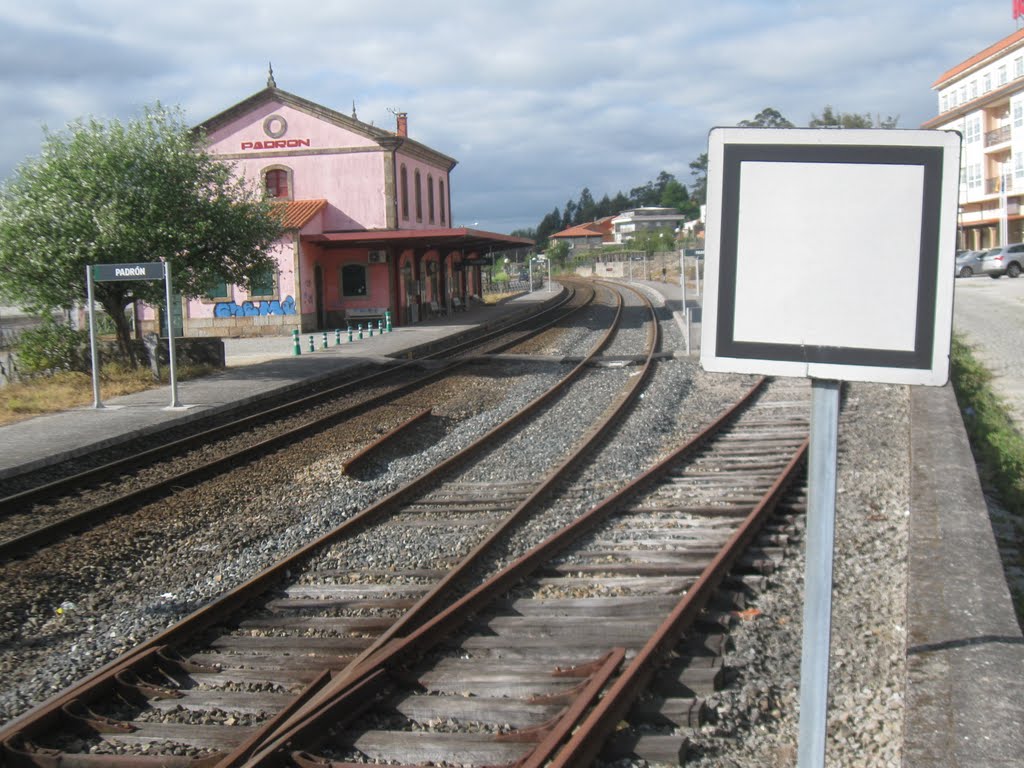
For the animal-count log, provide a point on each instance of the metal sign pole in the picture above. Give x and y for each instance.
(821, 513)
(96, 402)
(686, 309)
(170, 337)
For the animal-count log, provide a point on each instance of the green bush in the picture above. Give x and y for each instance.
(51, 346)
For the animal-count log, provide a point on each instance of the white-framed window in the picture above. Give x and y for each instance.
(1018, 165)
(1018, 67)
(1002, 74)
(945, 103)
(974, 89)
(972, 129)
(974, 176)
(963, 94)
(1018, 114)
(986, 82)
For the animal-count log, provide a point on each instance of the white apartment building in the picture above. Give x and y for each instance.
(983, 98)
(628, 223)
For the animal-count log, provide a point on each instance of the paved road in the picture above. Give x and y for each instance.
(989, 315)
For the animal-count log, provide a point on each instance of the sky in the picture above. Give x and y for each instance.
(536, 99)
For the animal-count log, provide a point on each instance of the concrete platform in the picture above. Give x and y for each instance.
(256, 368)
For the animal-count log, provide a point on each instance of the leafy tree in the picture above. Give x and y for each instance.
(586, 208)
(674, 195)
(558, 254)
(766, 118)
(699, 171)
(109, 193)
(548, 226)
(568, 214)
(830, 118)
(653, 240)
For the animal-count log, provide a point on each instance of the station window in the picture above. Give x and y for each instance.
(404, 184)
(1018, 67)
(217, 290)
(277, 183)
(419, 195)
(987, 82)
(1002, 75)
(440, 199)
(430, 198)
(262, 283)
(353, 280)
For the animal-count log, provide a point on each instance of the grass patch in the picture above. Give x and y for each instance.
(71, 389)
(999, 451)
(497, 298)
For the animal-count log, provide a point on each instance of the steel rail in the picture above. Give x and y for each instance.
(582, 737)
(433, 602)
(590, 735)
(48, 534)
(222, 608)
(14, 503)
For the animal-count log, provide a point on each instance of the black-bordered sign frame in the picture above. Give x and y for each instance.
(830, 253)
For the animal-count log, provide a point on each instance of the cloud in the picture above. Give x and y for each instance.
(536, 99)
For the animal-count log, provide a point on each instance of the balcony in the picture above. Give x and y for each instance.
(999, 184)
(998, 136)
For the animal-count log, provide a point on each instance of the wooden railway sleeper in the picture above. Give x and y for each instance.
(85, 719)
(18, 751)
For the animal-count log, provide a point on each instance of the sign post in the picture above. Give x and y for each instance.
(153, 270)
(93, 352)
(886, 203)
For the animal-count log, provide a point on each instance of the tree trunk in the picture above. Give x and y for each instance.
(115, 305)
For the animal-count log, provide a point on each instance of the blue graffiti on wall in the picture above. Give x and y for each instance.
(250, 309)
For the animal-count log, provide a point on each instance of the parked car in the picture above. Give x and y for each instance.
(1004, 260)
(968, 263)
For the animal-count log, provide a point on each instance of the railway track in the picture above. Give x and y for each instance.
(417, 515)
(543, 663)
(530, 619)
(43, 514)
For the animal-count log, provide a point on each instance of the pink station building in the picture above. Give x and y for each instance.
(368, 221)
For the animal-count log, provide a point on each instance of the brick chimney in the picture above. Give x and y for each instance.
(403, 123)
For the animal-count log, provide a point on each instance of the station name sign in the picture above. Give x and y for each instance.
(152, 270)
(275, 144)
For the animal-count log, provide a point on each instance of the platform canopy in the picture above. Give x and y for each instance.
(462, 239)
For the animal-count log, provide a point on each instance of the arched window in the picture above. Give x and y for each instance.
(430, 198)
(440, 198)
(278, 183)
(404, 182)
(419, 196)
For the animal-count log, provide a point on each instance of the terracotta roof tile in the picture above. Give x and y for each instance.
(295, 214)
(977, 58)
(580, 230)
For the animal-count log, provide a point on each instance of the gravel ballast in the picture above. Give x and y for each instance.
(756, 716)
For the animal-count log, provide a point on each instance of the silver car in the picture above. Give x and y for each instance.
(968, 263)
(1004, 260)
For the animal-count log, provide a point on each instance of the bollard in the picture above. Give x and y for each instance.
(369, 327)
(337, 337)
(296, 346)
(387, 318)
(350, 333)
(325, 340)
(312, 346)
(380, 326)
(360, 326)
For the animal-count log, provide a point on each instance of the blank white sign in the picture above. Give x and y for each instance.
(830, 253)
